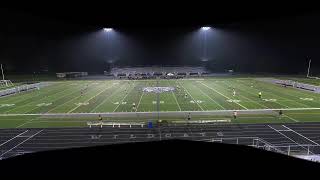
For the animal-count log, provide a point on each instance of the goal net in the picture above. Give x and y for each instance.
(5, 83)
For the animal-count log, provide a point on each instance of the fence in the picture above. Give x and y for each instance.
(22, 88)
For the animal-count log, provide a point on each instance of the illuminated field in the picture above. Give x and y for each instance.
(188, 95)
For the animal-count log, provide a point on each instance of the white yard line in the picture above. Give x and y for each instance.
(36, 100)
(175, 98)
(210, 97)
(191, 96)
(268, 108)
(27, 122)
(91, 98)
(106, 99)
(222, 94)
(139, 101)
(124, 97)
(291, 118)
(272, 94)
(14, 137)
(305, 105)
(21, 142)
(66, 101)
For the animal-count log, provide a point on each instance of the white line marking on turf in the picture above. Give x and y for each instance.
(66, 101)
(191, 96)
(125, 96)
(300, 135)
(18, 107)
(175, 98)
(210, 97)
(106, 99)
(21, 142)
(222, 94)
(14, 137)
(139, 101)
(27, 122)
(290, 118)
(273, 95)
(91, 98)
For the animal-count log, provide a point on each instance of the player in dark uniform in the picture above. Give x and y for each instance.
(280, 114)
(100, 120)
(189, 117)
(235, 114)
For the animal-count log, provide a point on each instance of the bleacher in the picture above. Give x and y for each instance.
(152, 72)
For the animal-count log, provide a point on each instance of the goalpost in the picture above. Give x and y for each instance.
(3, 82)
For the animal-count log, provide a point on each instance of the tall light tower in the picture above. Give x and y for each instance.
(109, 50)
(205, 30)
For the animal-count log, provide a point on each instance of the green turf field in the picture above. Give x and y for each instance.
(119, 95)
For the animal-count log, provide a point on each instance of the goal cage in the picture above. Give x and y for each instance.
(5, 83)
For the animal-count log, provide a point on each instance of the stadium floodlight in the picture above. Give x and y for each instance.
(206, 28)
(107, 29)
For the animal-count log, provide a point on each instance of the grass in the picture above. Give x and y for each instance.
(119, 95)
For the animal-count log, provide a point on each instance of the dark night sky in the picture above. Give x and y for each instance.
(259, 40)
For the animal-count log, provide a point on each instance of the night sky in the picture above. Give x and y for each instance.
(72, 39)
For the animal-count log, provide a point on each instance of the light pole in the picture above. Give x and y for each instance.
(205, 30)
(109, 51)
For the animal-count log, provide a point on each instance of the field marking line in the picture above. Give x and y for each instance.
(279, 104)
(77, 106)
(70, 99)
(163, 112)
(295, 92)
(190, 96)
(114, 92)
(222, 94)
(277, 96)
(250, 100)
(175, 98)
(209, 97)
(44, 96)
(301, 135)
(124, 97)
(14, 137)
(291, 118)
(139, 101)
(17, 100)
(22, 142)
(27, 122)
